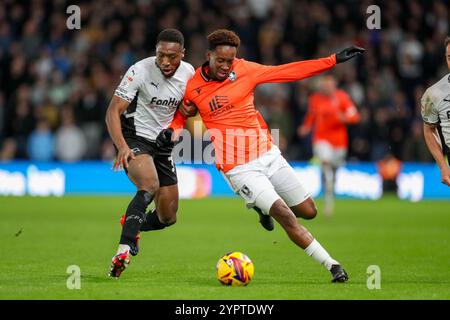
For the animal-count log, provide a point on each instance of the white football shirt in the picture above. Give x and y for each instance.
(436, 106)
(153, 97)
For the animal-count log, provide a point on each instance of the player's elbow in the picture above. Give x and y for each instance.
(428, 128)
(116, 107)
(107, 118)
(429, 131)
(109, 115)
(150, 184)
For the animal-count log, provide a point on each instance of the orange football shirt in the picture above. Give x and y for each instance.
(237, 130)
(323, 117)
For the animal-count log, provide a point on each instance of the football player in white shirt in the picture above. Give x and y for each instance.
(137, 118)
(436, 112)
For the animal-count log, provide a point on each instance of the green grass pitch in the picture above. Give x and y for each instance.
(41, 237)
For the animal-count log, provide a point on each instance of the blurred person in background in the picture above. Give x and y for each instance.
(436, 119)
(389, 168)
(2, 118)
(8, 150)
(415, 148)
(330, 111)
(21, 120)
(70, 142)
(41, 143)
(274, 107)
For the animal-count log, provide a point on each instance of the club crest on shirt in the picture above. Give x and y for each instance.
(232, 76)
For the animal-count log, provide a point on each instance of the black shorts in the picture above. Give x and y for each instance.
(162, 157)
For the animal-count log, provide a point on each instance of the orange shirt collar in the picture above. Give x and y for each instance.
(204, 72)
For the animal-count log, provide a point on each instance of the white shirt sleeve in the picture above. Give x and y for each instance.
(129, 84)
(429, 111)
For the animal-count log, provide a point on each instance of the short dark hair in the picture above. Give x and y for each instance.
(171, 35)
(223, 37)
(446, 42)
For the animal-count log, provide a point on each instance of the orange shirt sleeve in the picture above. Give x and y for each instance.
(291, 71)
(178, 121)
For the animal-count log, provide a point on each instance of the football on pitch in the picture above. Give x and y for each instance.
(235, 269)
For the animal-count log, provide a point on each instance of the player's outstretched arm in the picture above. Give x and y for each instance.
(299, 70)
(434, 145)
(116, 107)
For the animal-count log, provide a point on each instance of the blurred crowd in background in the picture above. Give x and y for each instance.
(56, 83)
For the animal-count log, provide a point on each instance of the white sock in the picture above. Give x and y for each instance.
(123, 248)
(318, 253)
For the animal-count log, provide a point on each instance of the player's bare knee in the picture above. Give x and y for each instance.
(168, 221)
(150, 185)
(170, 216)
(306, 210)
(311, 211)
(167, 212)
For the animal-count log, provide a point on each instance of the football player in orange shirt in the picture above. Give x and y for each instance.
(222, 92)
(329, 112)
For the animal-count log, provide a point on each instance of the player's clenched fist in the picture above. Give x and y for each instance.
(188, 109)
(124, 155)
(165, 138)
